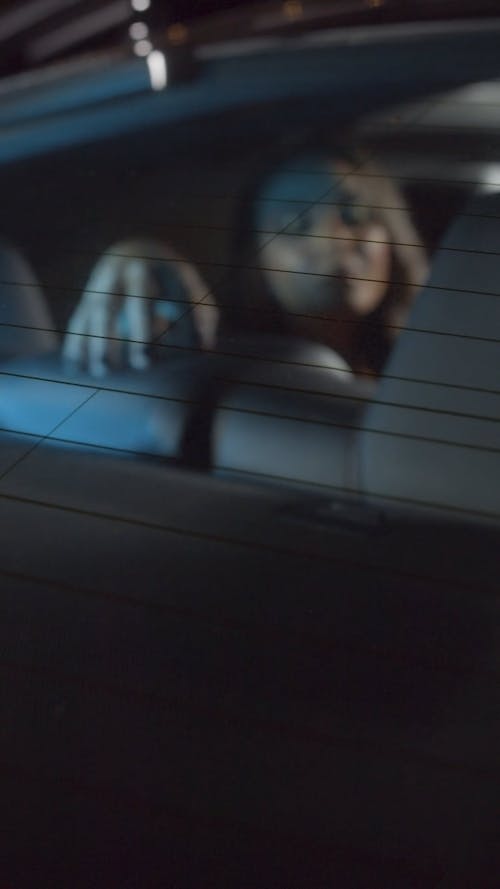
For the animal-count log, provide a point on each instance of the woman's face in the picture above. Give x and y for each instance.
(317, 242)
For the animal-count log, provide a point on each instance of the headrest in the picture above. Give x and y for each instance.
(26, 327)
(431, 435)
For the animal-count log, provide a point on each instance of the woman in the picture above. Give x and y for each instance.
(335, 257)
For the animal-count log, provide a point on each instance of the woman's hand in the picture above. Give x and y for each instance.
(117, 315)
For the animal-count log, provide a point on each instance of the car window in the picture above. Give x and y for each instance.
(287, 309)
(249, 453)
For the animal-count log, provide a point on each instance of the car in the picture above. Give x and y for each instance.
(249, 592)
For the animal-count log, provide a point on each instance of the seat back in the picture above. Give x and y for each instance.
(26, 326)
(289, 411)
(432, 432)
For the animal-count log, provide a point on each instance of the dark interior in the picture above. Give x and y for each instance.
(275, 667)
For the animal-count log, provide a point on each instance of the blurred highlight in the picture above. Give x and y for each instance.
(157, 67)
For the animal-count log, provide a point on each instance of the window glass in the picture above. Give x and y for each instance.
(283, 308)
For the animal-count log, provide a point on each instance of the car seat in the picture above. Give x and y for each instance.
(26, 327)
(431, 434)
